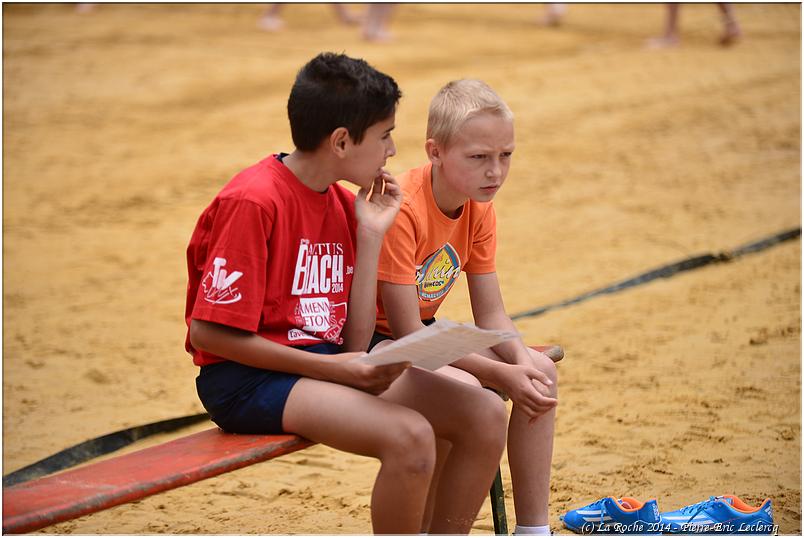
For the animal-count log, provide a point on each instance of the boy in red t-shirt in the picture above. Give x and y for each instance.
(447, 225)
(281, 297)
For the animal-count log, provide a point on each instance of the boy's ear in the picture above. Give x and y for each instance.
(339, 140)
(433, 151)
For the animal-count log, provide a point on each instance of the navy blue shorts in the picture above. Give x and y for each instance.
(244, 399)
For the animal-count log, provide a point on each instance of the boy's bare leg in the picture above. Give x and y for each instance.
(473, 421)
(530, 454)
(731, 30)
(345, 15)
(442, 449)
(671, 37)
(442, 453)
(554, 14)
(271, 19)
(357, 422)
(375, 25)
(530, 447)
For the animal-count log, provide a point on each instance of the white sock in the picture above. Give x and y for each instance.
(541, 530)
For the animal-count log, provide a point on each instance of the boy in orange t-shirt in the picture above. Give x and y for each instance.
(446, 226)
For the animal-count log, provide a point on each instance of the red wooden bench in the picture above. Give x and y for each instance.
(36, 504)
(32, 505)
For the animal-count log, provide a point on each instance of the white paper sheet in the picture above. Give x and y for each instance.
(437, 345)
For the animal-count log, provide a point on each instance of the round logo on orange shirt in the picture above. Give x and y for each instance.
(436, 275)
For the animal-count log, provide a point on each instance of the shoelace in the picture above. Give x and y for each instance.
(600, 503)
(697, 508)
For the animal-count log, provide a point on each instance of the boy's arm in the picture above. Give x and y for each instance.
(253, 350)
(401, 303)
(375, 214)
(522, 382)
(489, 313)
(362, 309)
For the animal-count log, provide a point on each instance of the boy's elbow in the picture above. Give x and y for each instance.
(198, 334)
(356, 342)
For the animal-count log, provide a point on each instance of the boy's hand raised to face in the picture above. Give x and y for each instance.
(376, 212)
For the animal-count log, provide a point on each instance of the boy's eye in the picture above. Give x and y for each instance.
(479, 156)
(506, 154)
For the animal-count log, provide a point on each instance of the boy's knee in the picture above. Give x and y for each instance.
(489, 421)
(497, 414)
(413, 445)
(546, 365)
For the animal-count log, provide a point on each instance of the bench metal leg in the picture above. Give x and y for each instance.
(497, 496)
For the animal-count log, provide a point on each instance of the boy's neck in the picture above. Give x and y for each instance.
(310, 169)
(448, 201)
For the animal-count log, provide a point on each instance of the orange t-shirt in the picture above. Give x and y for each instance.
(427, 249)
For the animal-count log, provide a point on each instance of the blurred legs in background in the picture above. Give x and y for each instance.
(271, 19)
(375, 27)
(671, 36)
(554, 15)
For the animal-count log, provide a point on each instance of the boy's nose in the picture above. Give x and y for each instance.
(391, 151)
(495, 170)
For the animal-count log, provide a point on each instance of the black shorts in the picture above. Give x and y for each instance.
(244, 399)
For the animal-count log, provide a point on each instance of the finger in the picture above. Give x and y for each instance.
(401, 366)
(390, 377)
(535, 399)
(531, 402)
(535, 411)
(392, 189)
(388, 177)
(376, 188)
(541, 388)
(532, 412)
(391, 182)
(543, 399)
(546, 402)
(533, 373)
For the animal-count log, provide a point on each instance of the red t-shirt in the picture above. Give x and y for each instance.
(271, 256)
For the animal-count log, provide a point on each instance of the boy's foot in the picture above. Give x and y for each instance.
(555, 14)
(726, 514)
(270, 23)
(731, 34)
(378, 35)
(619, 516)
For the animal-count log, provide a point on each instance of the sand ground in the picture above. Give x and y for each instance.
(121, 125)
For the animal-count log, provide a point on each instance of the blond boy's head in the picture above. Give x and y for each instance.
(459, 101)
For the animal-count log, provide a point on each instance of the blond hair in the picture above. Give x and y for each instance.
(458, 101)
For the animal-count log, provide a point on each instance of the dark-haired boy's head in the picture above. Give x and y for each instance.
(334, 90)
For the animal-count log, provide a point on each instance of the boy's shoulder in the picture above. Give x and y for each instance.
(269, 183)
(414, 183)
(260, 183)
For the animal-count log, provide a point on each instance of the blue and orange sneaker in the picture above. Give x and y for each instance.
(726, 514)
(619, 516)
